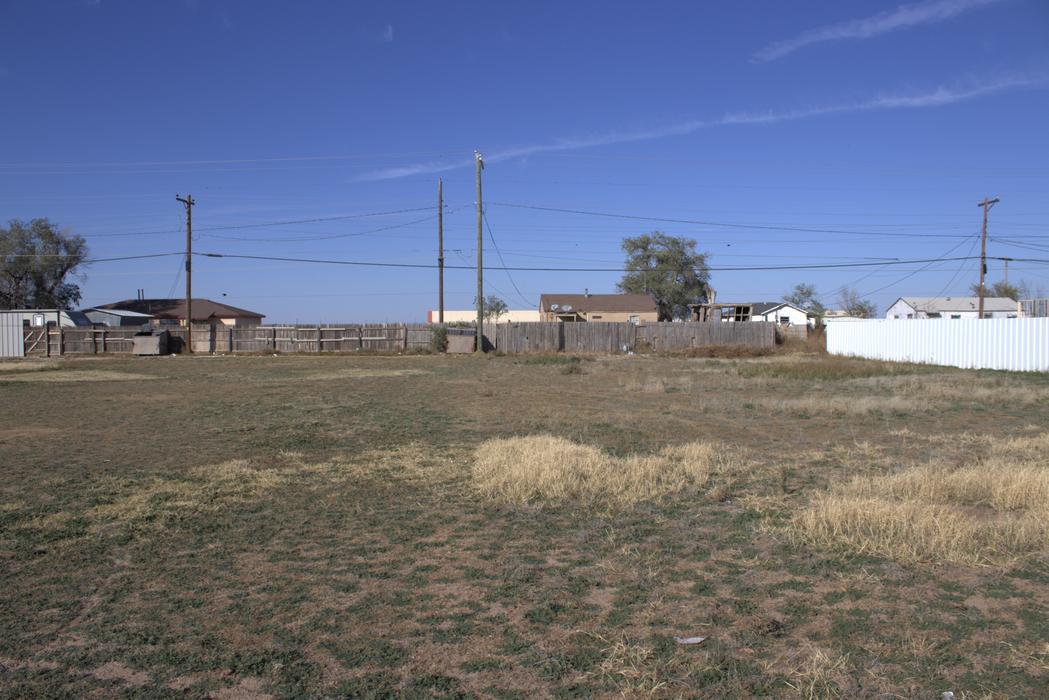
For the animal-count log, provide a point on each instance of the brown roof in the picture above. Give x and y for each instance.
(606, 303)
(203, 309)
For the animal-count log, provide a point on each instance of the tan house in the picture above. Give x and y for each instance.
(172, 312)
(607, 308)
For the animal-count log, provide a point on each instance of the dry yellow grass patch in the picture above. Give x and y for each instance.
(821, 675)
(39, 374)
(960, 388)
(538, 469)
(978, 511)
(359, 373)
(633, 668)
(842, 405)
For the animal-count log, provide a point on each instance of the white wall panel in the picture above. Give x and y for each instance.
(11, 337)
(1019, 344)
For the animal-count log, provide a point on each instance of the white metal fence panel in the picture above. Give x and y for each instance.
(12, 341)
(1018, 344)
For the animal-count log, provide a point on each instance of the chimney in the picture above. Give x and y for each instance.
(586, 293)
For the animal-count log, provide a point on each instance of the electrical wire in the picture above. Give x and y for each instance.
(496, 245)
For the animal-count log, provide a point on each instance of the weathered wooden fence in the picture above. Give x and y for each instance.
(507, 337)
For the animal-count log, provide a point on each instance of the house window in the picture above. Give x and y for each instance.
(910, 315)
(38, 320)
(954, 316)
(595, 317)
(635, 319)
(784, 320)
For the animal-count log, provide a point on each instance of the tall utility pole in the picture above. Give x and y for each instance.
(480, 268)
(440, 252)
(986, 204)
(188, 201)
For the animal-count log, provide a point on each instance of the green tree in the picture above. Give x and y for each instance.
(853, 305)
(1000, 289)
(803, 296)
(492, 308)
(668, 269)
(35, 260)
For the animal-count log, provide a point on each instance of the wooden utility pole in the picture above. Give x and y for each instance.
(440, 252)
(986, 204)
(480, 267)
(188, 201)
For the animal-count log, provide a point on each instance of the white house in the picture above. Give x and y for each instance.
(952, 308)
(779, 312)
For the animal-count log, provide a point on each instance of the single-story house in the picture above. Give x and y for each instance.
(958, 307)
(779, 312)
(172, 312)
(470, 316)
(606, 308)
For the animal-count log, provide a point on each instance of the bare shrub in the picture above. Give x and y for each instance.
(541, 469)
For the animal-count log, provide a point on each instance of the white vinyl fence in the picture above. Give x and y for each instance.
(1019, 344)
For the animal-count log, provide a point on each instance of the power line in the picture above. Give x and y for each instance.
(716, 223)
(837, 266)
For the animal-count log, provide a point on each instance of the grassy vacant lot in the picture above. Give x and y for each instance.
(522, 527)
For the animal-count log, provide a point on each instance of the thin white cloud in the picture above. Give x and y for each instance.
(387, 34)
(3, 71)
(935, 98)
(903, 17)
(225, 21)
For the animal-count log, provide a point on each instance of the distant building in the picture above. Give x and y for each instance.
(470, 316)
(952, 308)
(607, 308)
(172, 312)
(840, 316)
(779, 312)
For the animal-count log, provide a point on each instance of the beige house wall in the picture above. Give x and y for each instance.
(526, 316)
(602, 316)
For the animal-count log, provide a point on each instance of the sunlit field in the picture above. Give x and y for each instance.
(786, 525)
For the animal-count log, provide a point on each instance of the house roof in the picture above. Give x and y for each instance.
(606, 303)
(203, 309)
(118, 313)
(940, 305)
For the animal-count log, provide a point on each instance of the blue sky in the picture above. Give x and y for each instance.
(824, 143)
